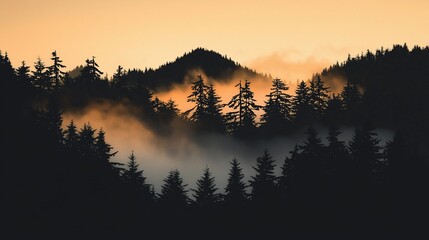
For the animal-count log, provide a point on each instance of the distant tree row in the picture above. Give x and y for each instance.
(282, 113)
(64, 181)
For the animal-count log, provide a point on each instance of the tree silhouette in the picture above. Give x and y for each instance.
(103, 149)
(87, 141)
(173, 193)
(205, 195)
(90, 72)
(351, 101)
(277, 109)
(207, 112)
(235, 191)
(215, 118)
(136, 183)
(71, 137)
(263, 183)
(312, 158)
(365, 151)
(318, 96)
(242, 120)
(57, 76)
(301, 106)
(41, 75)
(199, 97)
(118, 78)
(23, 73)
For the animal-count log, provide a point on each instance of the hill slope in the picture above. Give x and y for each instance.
(211, 63)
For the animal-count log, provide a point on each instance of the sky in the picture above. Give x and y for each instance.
(290, 39)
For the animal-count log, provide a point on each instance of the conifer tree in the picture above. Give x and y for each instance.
(87, 141)
(215, 118)
(365, 151)
(199, 97)
(311, 164)
(23, 73)
(235, 191)
(7, 73)
(136, 182)
(90, 72)
(318, 96)
(71, 137)
(244, 104)
(41, 75)
(56, 75)
(117, 80)
(173, 192)
(351, 98)
(103, 149)
(301, 106)
(263, 183)
(205, 195)
(277, 108)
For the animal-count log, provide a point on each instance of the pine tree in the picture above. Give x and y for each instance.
(90, 72)
(173, 192)
(318, 96)
(351, 98)
(244, 104)
(7, 73)
(118, 77)
(364, 151)
(56, 75)
(215, 118)
(301, 107)
(277, 108)
(41, 75)
(235, 191)
(87, 141)
(135, 180)
(103, 149)
(23, 73)
(263, 183)
(71, 137)
(310, 167)
(199, 97)
(205, 195)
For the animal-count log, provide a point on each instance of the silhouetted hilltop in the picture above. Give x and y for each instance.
(213, 64)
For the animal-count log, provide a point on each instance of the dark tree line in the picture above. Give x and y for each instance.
(58, 180)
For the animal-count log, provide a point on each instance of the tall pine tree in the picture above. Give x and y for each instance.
(277, 109)
(242, 119)
(205, 195)
(263, 184)
(235, 191)
(56, 75)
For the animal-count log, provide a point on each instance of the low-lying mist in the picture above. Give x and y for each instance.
(157, 154)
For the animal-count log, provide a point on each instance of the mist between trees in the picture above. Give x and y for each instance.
(312, 159)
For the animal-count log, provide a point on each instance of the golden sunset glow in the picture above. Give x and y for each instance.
(289, 39)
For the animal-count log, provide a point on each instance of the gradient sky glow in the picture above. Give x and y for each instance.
(147, 33)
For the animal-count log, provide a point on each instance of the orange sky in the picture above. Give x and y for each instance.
(287, 38)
